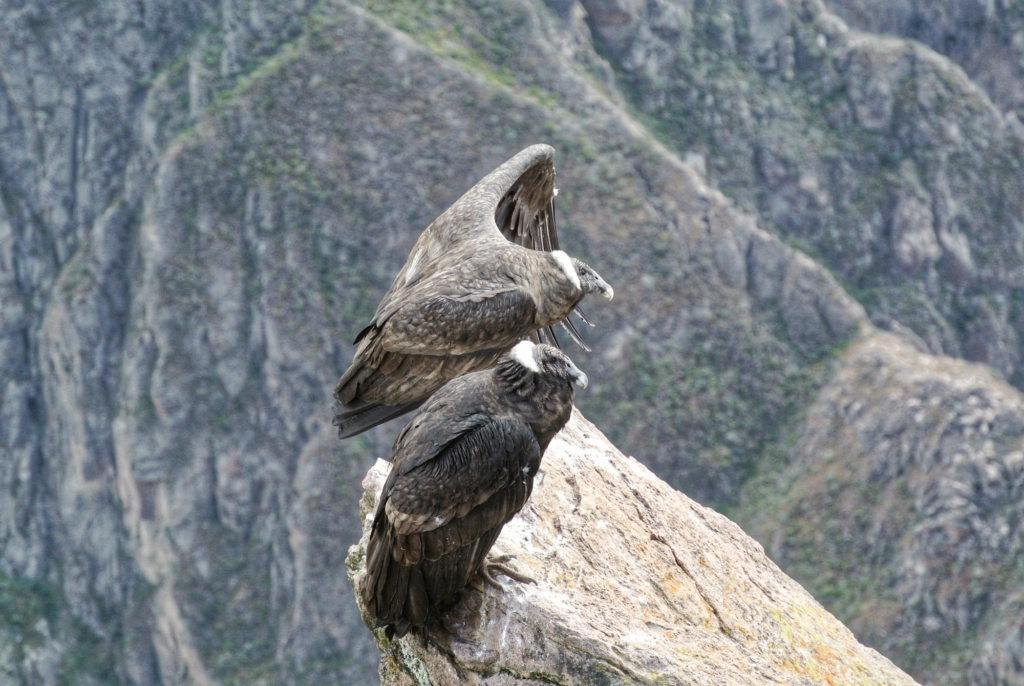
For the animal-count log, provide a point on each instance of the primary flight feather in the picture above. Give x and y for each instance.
(484, 275)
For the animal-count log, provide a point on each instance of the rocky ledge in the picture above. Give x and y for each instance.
(635, 583)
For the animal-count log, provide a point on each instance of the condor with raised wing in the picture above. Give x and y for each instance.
(461, 469)
(484, 275)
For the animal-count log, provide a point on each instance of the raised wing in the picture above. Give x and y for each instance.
(472, 219)
(529, 176)
(525, 215)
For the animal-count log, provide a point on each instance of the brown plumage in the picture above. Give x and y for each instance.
(461, 469)
(482, 276)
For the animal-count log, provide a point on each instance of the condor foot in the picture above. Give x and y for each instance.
(496, 565)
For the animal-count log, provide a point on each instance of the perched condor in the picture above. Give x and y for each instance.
(486, 274)
(461, 469)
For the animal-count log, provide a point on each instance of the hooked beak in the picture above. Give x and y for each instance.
(606, 290)
(578, 377)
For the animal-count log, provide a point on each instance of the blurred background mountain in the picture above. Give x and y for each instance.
(816, 237)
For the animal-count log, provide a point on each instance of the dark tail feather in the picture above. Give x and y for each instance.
(355, 420)
(417, 602)
(395, 594)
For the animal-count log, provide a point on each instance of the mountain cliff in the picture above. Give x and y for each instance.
(200, 205)
(986, 39)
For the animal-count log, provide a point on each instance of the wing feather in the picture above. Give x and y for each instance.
(446, 325)
(473, 484)
(515, 203)
(529, 176)
(525, 215)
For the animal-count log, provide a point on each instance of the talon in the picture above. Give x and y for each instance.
(512, 574)
(504, 557)
(493, 565)
(485, 576)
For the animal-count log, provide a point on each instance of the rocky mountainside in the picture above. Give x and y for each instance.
(902, 510)
(200, 203)
(632, 583)
(985, 37)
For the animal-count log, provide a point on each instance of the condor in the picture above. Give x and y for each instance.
(485, 274)
(461, 469)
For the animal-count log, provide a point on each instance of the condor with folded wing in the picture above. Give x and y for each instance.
(461, 469)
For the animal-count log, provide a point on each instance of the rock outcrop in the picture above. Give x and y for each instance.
(635, 584)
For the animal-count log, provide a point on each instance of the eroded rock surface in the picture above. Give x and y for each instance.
(636, 584)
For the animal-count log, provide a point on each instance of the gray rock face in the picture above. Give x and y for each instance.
(902, 509)
(985, 37)
(880, 157)
(636, 584)
(168, 348)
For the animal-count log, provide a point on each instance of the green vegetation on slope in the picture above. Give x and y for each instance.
(36, 630)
